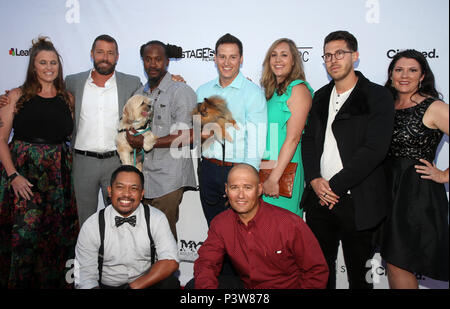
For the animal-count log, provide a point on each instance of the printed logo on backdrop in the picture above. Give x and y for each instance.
(19, 52)
(373, 11)
(73, 12)
(207, 54)
(377, 271)
(188, 250)
(375, 274)
(204, 54)
(304, 52)
(70, 266)
(429, 54)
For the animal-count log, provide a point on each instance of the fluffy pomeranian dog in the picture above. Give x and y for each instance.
(214, 110)
(137, 114)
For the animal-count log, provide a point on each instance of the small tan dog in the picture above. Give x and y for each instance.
(214, 110)
(137, 114)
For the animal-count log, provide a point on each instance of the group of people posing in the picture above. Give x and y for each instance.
(365, 175)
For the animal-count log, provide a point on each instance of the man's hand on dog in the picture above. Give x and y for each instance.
(136, 142)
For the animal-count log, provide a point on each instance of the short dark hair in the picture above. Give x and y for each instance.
(229, 39)
(127, 169)
(171, 51)
(107, 38)
(346, 36)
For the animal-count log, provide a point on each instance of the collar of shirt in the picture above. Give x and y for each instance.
(139, 212)
(257, 219)
(236, 83)
(108, 84)
(337, 100)
(163, 84)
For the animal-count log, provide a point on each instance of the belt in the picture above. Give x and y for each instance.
(98, 155)
(218, 162)
(37, 140)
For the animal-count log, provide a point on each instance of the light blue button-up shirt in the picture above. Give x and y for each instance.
(248, 105)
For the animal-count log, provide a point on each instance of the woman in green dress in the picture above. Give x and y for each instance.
(289, 99)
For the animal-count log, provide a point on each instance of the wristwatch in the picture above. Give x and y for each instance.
(12, 176)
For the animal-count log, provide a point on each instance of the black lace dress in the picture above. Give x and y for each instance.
(414, 236)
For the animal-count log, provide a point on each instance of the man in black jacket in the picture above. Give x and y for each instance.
(346, 139)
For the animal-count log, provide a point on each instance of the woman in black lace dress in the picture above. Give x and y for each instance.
(414, 237)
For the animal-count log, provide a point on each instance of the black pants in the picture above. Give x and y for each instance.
(170, 282)
(212, 179)
(338, 224)
(226, 282)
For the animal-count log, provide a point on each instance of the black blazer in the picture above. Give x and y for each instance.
(363, 130)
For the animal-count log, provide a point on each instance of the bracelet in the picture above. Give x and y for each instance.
(12, 176)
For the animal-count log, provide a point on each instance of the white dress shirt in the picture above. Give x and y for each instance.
(330, 162)
(126, 248)
(99, 117)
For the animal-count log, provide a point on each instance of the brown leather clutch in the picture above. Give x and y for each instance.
(286, 183)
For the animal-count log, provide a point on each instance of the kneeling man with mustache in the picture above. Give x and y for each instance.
(126, 244)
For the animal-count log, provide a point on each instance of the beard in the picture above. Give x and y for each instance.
(342, 74)
(124, 211)
(104, 70)
(155, 79)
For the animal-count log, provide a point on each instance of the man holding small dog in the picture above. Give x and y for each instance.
(168, 168)
(248, 107)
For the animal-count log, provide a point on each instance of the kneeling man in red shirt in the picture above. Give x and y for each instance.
(269, 247)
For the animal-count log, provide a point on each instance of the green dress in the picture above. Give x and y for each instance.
(278, 114)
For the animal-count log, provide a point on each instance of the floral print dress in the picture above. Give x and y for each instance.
(38, 237)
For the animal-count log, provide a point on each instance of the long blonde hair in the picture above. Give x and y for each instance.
(268, 79)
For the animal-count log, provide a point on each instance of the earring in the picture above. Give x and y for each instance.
(420, 84)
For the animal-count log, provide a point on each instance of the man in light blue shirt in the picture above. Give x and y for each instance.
(247, 103)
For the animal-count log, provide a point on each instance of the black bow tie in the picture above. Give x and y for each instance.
(120, 220)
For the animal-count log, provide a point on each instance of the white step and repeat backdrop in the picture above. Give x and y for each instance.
(382, 27)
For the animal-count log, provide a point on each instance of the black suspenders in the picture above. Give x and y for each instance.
(152, 243)
(101, 226)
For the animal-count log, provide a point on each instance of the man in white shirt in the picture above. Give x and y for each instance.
(127, 241)
(100, 95)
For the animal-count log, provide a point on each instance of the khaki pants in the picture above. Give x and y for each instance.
(169, 205)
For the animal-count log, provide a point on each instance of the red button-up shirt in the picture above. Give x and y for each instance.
(276, 250)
